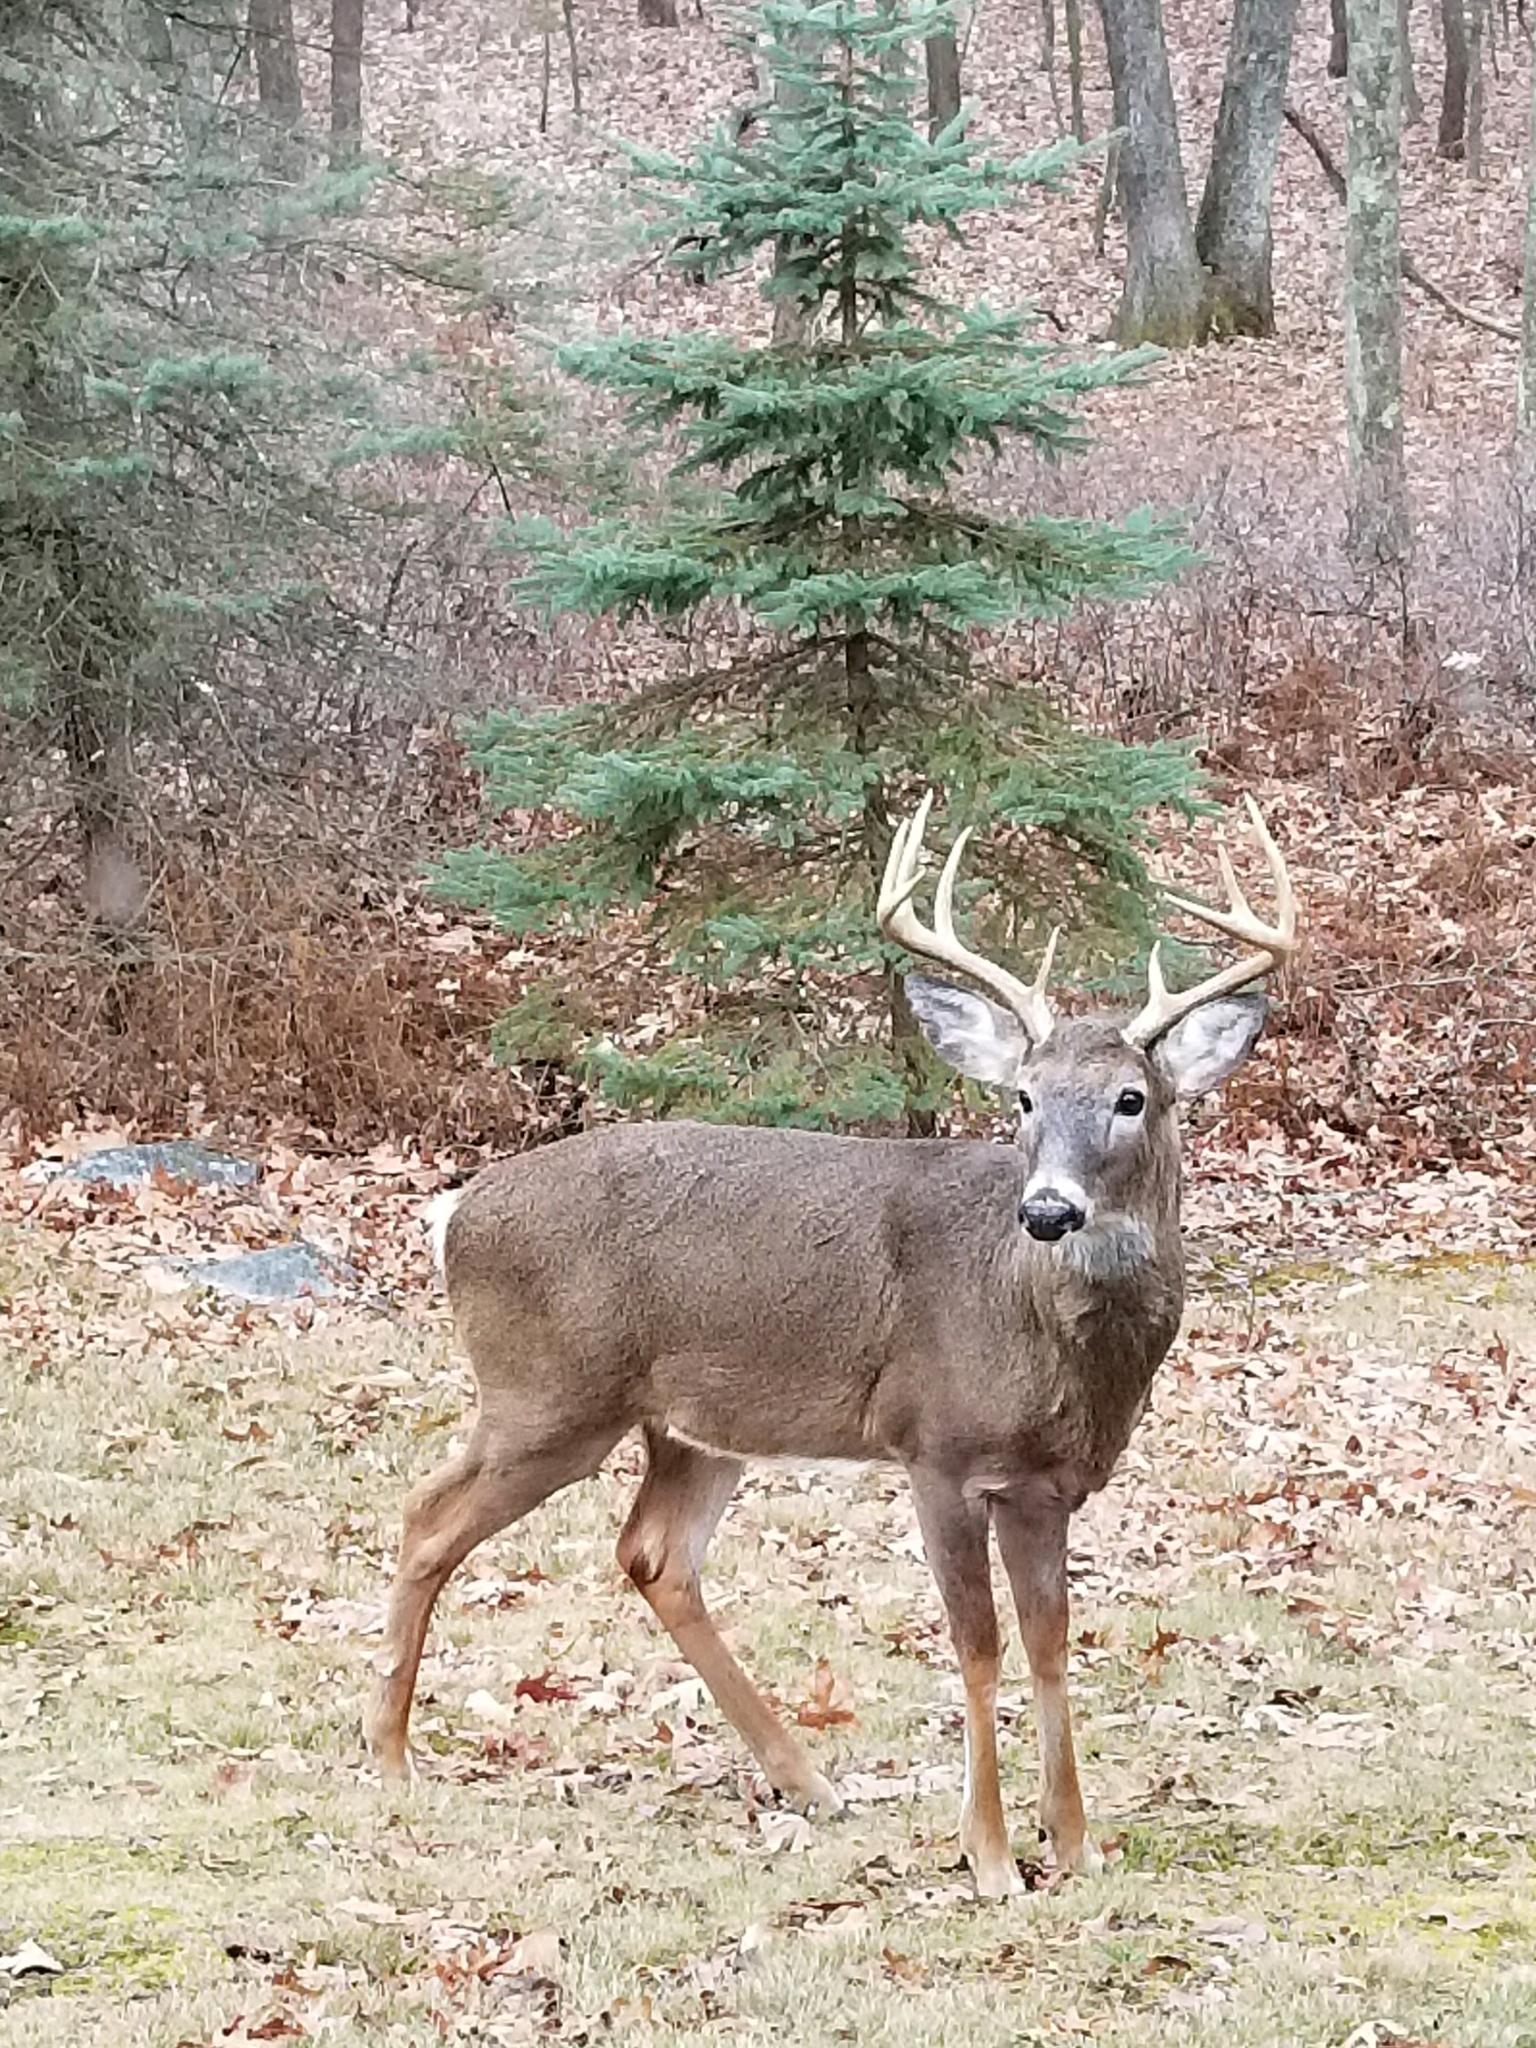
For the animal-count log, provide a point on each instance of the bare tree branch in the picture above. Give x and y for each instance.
(1415, 276)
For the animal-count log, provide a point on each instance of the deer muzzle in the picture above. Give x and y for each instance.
(1048, 1213)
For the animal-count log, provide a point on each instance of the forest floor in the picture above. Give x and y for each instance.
(1302, 1628)
(1264, 418)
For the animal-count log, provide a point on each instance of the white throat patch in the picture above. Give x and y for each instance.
(1110, 1248)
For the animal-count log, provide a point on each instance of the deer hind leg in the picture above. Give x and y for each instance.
(1034, 1548)
(955, 1540)
(489, 1485)
(682, 1497)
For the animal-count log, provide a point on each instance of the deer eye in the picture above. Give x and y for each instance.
(1130, 1102)
(1025, 1104)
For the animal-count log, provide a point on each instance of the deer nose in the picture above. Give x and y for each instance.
(1047, 1215)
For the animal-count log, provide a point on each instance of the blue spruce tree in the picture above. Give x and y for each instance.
(744, 808)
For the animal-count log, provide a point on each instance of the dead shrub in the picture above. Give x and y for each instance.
(267, 990)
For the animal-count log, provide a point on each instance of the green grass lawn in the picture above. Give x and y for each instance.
(1305, 1688)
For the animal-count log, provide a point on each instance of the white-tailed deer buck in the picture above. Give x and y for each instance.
(990, 1317)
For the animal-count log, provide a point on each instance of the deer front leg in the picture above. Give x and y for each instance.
(1034, 1547)
(955, 1539)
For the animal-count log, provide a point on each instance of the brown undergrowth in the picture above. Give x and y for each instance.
(286, 987)
(306, 982)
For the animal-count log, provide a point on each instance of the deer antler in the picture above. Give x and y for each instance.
(1273, 943)
(899, 921)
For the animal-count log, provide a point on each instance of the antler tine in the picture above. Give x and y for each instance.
(940, 943)
(904, 863)
(944, 891)
(1279, 874)
(1229, 881)
(1272, 943)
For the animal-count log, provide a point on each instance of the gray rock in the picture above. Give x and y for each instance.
(284, 1272)
(180, 1159)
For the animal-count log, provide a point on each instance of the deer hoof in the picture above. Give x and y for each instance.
(1083, 1858)
(808, 1793)
(997, 1880)
(818, 1798)
(394, 1761)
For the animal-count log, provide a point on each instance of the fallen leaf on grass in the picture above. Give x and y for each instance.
(326, 1618)
(511, 1968)
(164, 1280)
(512, 1746)
(1233, 1931)
(824, 1912)
(544, 1688)
(251, 1432)
(819, 1710)
(486, 1707)
(535, 1954)
(785, 1831)
(30, 1960)
(1378, 2034)
(905, 1969)
(230, 1777)
(373, 1910)
(1155, 1655)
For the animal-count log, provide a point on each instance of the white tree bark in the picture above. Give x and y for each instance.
(1379, 527)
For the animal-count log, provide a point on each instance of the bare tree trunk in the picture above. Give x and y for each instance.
(1048, 57)
(1524, 464)
(93, 725)
(1453, 97)
(159, 50)
(941, 53)
(1476, 86)
(1104, 198)
(346, 80)
(568, 16)
(1373, 300)
(1232, 233)
(1525, 393)
(1413, 106)
(277, 62)
(791, 316)
(1338, 40)
(84, 561)
(1164, 297)
(658, 13)
(1074, 14)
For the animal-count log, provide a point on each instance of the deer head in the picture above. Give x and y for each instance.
(1096, 1095)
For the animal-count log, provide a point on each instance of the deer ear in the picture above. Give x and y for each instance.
(1208, 1046)
(976, 1037)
